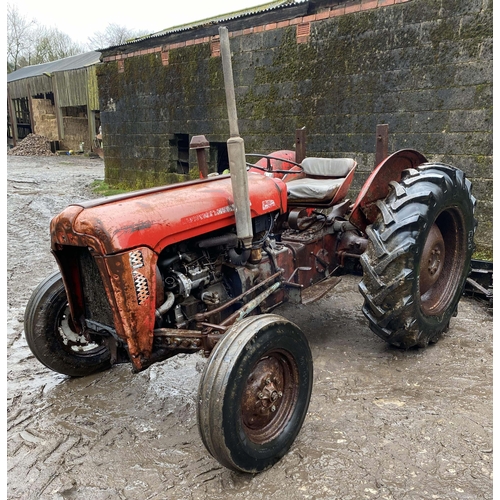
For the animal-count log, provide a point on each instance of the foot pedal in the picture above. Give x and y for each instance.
(315, 292)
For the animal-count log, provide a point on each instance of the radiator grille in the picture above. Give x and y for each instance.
(96, 302)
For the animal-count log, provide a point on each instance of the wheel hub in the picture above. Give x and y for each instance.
(73, 341)
(263, 394)
(432, 261)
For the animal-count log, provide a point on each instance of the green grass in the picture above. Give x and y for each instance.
(483, 255)
(102, 188)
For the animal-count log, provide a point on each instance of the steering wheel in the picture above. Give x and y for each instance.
(269, 167)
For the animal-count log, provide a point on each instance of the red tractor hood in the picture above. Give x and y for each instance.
(158, 217)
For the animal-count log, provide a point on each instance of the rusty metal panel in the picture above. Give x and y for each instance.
(130, 283)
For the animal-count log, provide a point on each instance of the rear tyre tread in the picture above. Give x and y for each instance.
(432, 193)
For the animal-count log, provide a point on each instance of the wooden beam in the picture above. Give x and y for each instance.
(13, 119)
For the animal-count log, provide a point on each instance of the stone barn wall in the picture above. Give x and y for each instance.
(422, 67)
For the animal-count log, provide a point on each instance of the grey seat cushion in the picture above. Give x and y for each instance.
(324, 177)
(313, 190)
(328, 167)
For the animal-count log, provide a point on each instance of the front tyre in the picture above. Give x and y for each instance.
(418, 258)
(254, 393)
(52, 338)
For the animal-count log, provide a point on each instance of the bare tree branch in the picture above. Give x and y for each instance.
(113, 35)
(29, 43)
(19, 31)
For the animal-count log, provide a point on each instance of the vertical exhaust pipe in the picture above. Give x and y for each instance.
(236, 150)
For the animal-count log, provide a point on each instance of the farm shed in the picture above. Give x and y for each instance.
(58, 100)
(336, 67)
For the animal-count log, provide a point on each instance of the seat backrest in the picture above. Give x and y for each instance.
(328, 167)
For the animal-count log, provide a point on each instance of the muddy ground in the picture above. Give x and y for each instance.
(382, 424)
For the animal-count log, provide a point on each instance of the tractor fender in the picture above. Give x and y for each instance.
(376, 187)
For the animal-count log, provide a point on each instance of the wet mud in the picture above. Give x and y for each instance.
(382, 423)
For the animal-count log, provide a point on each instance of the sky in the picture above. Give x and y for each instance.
(80, 20)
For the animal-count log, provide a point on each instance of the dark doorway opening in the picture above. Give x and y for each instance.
(219, 156)
(22, 111)
(180, 144)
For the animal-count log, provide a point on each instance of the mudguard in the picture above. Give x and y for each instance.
(376, 187)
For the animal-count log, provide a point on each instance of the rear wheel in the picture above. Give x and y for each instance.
(254, 393)
(418, 259)
(52, 338)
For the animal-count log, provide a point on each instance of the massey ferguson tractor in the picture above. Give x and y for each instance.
(200, 266)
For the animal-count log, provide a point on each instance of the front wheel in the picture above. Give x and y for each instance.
(254, 393)
(418, 258)
(52, 338)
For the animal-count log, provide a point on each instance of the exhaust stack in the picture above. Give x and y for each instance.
(236, 150)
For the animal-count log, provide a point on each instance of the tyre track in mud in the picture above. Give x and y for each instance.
(382, 424)
(36, 190)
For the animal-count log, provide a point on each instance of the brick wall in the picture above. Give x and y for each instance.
(421, 66)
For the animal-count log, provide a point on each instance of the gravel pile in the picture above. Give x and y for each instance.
(32, 145)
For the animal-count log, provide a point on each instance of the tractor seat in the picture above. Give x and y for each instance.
(323, 178)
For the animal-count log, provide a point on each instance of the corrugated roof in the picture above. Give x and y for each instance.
(259, 9)
(68, 63)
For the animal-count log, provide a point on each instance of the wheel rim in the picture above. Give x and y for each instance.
(72, 341)
(432, 259)
(270, 396)
(442, 262)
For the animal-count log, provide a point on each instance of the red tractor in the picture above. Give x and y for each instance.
(199, 266)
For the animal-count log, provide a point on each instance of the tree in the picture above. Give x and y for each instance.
(19, 33)
(113, 35)
(28, 43)
(52, 45)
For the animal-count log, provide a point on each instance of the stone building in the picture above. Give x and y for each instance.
(337, 68)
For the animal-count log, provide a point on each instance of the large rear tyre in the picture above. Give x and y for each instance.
(254, 393)
(418, 258)
(52, 338)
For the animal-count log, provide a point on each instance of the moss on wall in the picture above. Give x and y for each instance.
(423, 67)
